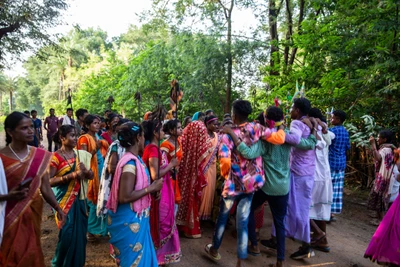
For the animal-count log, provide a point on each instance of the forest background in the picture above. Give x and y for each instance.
(345, 52)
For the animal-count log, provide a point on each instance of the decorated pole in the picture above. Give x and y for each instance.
(138, 98)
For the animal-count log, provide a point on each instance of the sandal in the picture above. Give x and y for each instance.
(207, 250)
(252, 251)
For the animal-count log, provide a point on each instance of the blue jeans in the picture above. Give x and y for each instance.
(242, 218)
(278, 206)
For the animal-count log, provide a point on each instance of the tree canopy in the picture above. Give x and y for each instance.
(24, 24)
(344, 52)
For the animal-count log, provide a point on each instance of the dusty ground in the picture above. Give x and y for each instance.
(348, 238)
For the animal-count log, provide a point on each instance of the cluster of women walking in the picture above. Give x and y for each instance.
(142, 184)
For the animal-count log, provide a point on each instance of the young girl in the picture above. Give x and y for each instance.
(384, 163)
(163, 228)
(172, 147)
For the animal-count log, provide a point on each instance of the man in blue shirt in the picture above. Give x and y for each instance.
(337, 159)
(37, 124)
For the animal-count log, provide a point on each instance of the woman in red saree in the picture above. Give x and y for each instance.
(162, 220)
(196, 147)
(21, 241)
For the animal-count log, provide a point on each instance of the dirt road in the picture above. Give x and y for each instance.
(348, 238)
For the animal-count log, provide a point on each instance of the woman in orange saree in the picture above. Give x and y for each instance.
(196, 147)
(91, 143)
(210, 170)
(25, 167)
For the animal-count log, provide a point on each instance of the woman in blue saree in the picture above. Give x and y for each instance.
(69, 182)
(129, 203)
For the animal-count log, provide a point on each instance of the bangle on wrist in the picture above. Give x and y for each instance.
(146, 190)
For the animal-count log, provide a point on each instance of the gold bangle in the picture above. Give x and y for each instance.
(147, 191)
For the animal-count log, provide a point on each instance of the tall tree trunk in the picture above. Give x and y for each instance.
(10, 106)
(301, 18)
(61, 89)
(289, 32)
(273, 31)
(1, 104)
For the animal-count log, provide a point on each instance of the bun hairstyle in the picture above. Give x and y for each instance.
(89, 119)
(11, 122)
(170, 126)
(210, 119)
(149, 127)
(128, 132)
(62, 132)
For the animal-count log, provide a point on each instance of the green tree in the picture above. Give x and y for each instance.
(24, 24)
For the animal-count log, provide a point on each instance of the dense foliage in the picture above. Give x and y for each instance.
(346, 54)
(24, 25)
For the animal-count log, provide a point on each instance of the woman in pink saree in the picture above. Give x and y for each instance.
(384, 247)
(162, 220)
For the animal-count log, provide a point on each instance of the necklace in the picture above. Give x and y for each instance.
(66, 157)
(15, 154)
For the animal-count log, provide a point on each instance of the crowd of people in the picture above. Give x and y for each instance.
(143, 184)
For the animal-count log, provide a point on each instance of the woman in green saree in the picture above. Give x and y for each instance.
(69, 169)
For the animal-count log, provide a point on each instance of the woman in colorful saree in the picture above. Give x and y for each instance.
(129, 203)
(27, 170)
(384, 247)
(69, 173)
(162, 220)
(114, 154)
(196, 146)
(90, 143)
(172, 147)
(210, 170)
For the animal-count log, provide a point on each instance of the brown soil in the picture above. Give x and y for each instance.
(348, 239)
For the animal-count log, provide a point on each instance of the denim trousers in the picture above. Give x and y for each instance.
(278, 206)
(242, 218)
